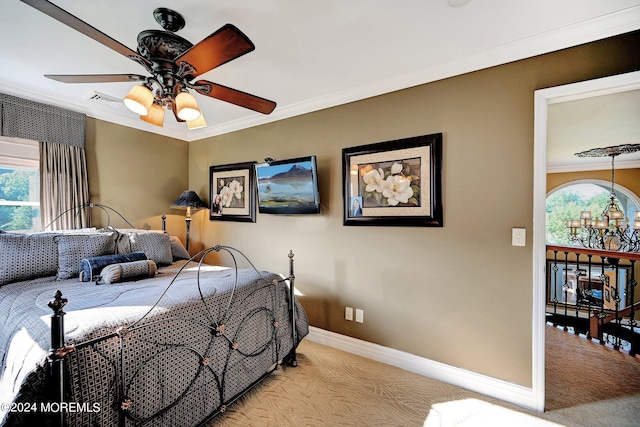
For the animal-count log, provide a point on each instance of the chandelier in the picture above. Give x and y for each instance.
(611, 231)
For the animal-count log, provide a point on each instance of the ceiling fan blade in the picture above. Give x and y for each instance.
(219, 48)
(70, 20)
(95, 78)
(234, 96)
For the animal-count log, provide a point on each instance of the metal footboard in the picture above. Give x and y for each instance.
(205, 362)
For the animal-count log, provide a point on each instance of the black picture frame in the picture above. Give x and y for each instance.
(229, 200)
(409, 169)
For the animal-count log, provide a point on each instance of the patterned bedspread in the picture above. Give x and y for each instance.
(190, 345)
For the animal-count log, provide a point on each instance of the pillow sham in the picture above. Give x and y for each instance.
(120, 272)
(157, 246)
(72, 248)
(27, 256)
(178, 251)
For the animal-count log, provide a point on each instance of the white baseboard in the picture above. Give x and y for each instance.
(499, 389)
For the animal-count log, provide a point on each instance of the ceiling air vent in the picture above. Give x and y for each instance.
(103, 98)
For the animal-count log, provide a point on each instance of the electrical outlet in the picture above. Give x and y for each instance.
(359, 315)
(348, 313)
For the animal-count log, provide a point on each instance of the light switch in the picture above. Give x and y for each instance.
(519, 236)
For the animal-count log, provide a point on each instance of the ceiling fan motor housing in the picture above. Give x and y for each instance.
(162, 48)
(161, 45)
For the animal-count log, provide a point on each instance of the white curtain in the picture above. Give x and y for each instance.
(64, 186)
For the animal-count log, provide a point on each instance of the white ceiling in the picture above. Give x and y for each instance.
(599, 121)
(309, 55)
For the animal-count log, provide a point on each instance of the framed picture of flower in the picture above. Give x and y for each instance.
(232, 192)
(394, 183)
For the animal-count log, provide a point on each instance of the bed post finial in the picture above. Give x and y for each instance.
(57, 303)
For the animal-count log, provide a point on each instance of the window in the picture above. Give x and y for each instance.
(19, 185)
(566, 202)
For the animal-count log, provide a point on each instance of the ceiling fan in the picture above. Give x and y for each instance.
(173, 62)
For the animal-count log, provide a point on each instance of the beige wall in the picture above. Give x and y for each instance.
(137, 173)
(461, 294)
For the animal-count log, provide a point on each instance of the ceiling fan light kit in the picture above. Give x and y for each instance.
(155, 116)
(139, 100)
(172, 62)
(187, 106)
(198, 123)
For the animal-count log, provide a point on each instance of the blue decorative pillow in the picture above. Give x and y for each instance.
(90, 267)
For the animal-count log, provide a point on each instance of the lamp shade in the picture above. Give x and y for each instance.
(188, 199)
(187, 106)
(197, 123)
(139, 100)
(155, 116)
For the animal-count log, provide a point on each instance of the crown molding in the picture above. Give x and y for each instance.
(592, 166)
(588, 31)
(584, 32)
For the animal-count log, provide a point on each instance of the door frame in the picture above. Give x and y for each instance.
(542, 99)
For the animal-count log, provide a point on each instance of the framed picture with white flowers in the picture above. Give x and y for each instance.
(394, 183)
(232, 192)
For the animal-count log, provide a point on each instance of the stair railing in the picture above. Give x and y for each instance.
(593, 293)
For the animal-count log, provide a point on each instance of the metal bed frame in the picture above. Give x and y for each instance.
(59, 352)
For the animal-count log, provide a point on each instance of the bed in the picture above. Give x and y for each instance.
(173, 346)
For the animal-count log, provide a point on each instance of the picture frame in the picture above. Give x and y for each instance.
(395, 183)
(232, 192)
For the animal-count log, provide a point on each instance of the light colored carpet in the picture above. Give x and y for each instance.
(590, 384)
(334, 388)
(592, 372)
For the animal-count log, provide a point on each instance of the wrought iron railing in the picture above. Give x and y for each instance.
(592, 292)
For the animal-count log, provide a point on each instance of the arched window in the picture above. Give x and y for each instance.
(568, 200)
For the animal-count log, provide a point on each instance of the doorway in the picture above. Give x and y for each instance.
(542, 99)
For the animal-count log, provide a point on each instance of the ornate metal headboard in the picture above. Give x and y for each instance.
(78, 209)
